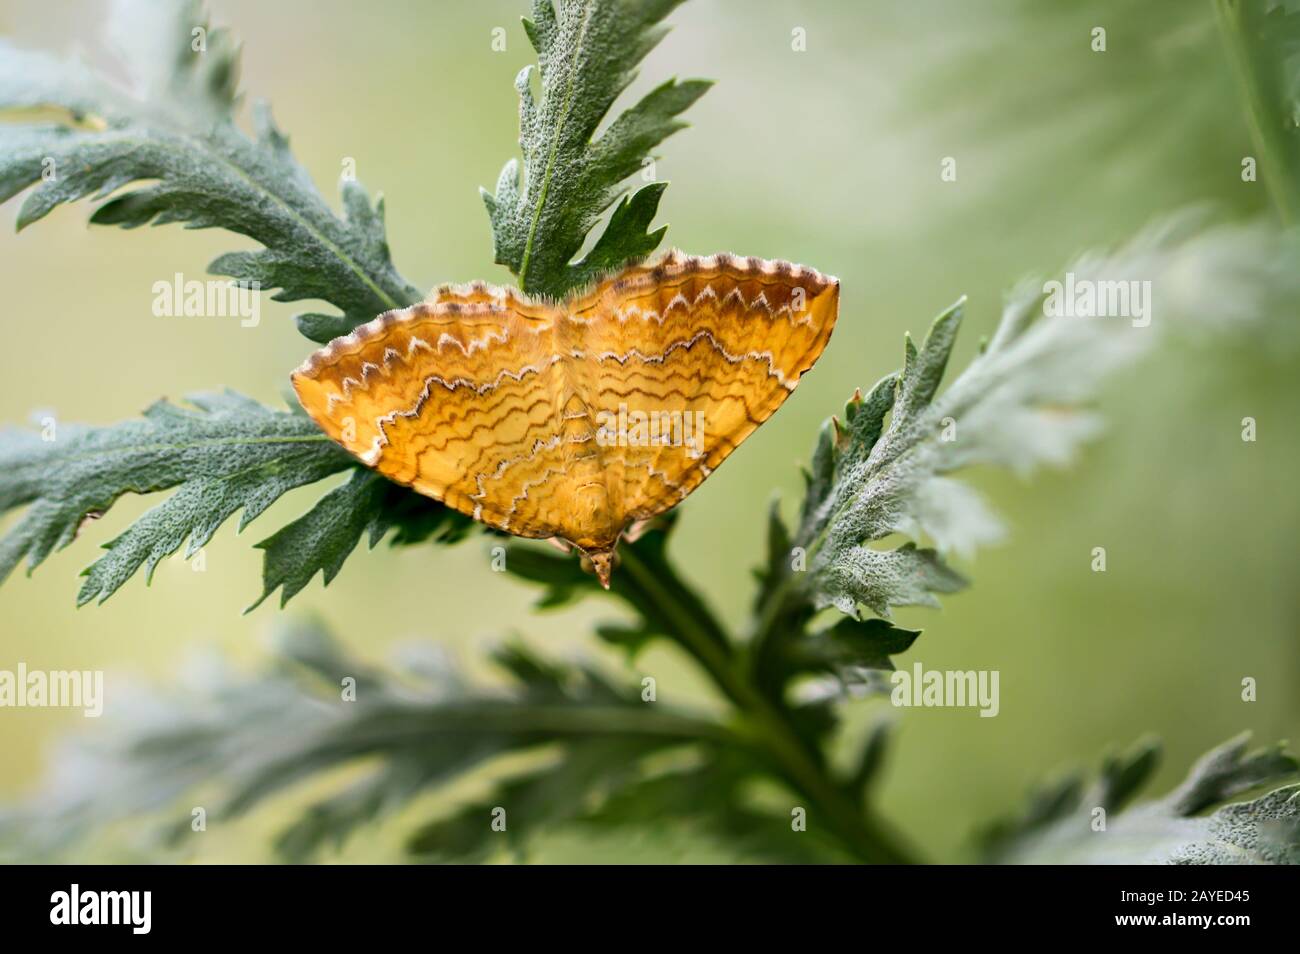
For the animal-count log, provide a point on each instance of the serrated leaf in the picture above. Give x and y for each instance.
(881, 469)
(879, 579)
(1016, 405)
(851, 644)
(626, 237)
(161, 63)
(541, 212)
(587, 770)
(705, 799)
(322, 539)
(225, 454)
(243, 739)
(172, 133)
(1061, 825)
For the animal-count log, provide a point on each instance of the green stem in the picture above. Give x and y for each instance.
(769, 611)
(1263, 113)
(547, 721)
(801, 765)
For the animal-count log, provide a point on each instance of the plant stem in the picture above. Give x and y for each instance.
(1263, 113)
(801, 765)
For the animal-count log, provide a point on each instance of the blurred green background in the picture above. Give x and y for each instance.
(829, 157)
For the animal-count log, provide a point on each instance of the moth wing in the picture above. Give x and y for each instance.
(445, 397)
(708, 348)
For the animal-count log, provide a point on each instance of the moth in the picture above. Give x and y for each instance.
(578, 420)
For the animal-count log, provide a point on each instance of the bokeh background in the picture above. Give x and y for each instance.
(829, 157)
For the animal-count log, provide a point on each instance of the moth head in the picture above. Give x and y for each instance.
(600, 562)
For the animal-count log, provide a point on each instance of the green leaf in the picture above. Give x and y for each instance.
(706, 799)
(225, 454)
(872, 756)
(245, 738)
(172, 132)
(849, 646)
(1061, 824)
(587, 54)
(536, 802)
(884, 470)
(1264, 41)
(367, 505)
(879, 579)
(881, 469)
